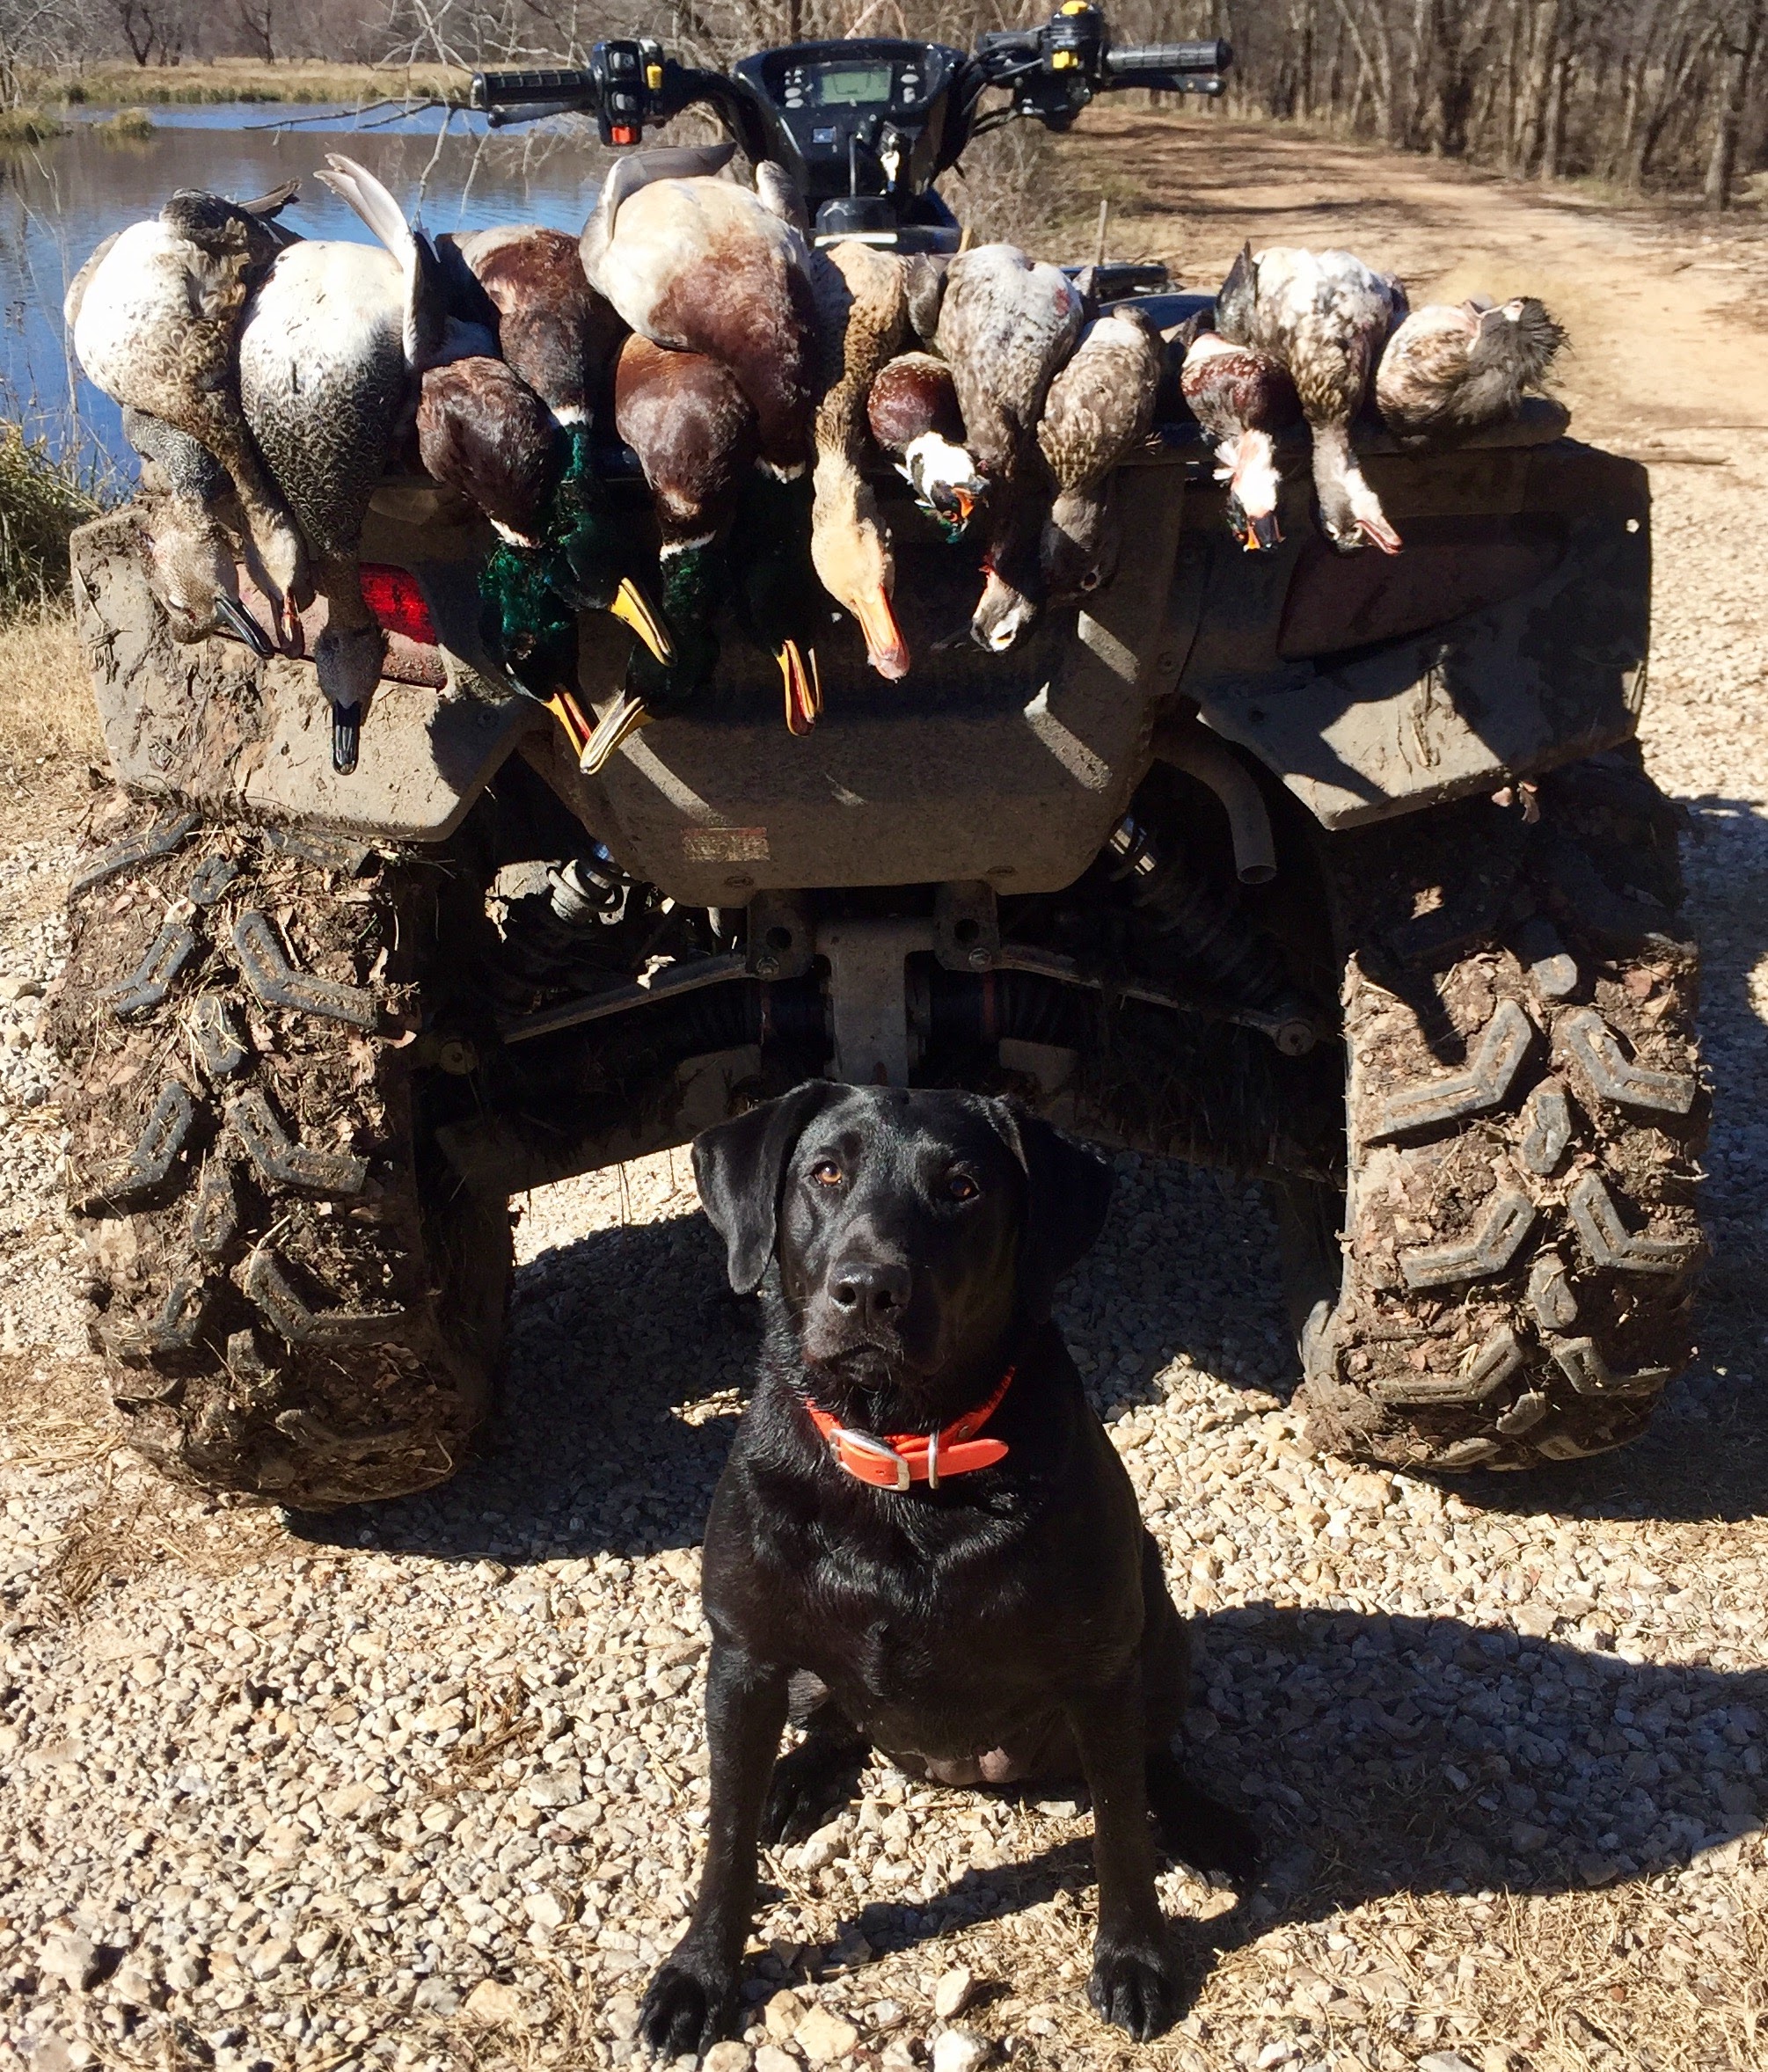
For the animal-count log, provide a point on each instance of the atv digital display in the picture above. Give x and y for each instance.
(850, 84)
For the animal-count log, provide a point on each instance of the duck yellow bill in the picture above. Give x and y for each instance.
(631, 605)
(886, 649)
(619, 724)
(803, 682)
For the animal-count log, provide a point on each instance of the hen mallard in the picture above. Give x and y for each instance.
(1099, 411)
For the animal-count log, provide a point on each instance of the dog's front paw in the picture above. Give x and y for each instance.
(692, 2002)
(1137, 1984)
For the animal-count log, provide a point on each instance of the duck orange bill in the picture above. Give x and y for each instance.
(803, 682)
(1382, 533)
(886, 649)
(631, 605)
(565, 710)
(619, 723)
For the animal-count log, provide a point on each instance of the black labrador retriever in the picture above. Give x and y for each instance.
(923, 1542)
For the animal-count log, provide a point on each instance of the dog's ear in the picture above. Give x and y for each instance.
(1068, 1190)
(738, 1167)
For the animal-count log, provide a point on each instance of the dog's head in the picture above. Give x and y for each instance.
(919, 1235)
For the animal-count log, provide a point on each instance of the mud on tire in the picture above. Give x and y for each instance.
(293, 1295)
(1524, 1109)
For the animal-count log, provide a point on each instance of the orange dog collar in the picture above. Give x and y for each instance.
(906, 1458)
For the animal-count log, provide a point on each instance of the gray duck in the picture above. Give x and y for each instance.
(155, 314)
(334, 341)
(1005, 328)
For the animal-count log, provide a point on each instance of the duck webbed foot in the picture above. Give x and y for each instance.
(621, 720)
(802, 680)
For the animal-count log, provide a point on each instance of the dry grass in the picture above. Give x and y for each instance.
(42, 499)
(46, 714)
(245, 79)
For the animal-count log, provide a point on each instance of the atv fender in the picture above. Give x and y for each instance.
(1547, 665)
(209, 724)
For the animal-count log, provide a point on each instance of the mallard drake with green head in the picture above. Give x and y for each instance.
(687, 419)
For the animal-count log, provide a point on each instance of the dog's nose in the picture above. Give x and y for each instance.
(870, 1290)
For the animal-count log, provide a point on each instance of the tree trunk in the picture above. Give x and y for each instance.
(1736, 66)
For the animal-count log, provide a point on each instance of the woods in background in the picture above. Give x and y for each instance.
(1639, 94)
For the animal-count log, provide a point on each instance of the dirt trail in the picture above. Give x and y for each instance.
(1660, 308)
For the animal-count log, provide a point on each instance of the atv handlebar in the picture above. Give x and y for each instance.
(1124, 59)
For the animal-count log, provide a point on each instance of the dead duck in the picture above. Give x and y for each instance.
(191, 522)
(913, 414)
(1326, 316)
(862, 322)
(562, 339)
(334, 341)
(1005, 327)
(1242, 398)
(1451, 370)
(154, 314)
(1099, 411)
(687, 419)
(701, 265)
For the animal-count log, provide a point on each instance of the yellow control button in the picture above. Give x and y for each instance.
(1062, 61)
(1076, 6)
(653, 77)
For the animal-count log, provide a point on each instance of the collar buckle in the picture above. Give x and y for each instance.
(875, 1449)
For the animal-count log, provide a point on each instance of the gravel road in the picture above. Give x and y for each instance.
(424, 1790)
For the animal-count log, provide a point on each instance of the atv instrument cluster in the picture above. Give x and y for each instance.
(864, 125)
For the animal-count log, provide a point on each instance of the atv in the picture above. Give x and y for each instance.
(1340, 871)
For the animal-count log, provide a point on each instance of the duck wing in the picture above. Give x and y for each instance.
(426, 313)
(643, 169)
(1101, 405)
(780, 197)
(82, 280)
(1237, 299)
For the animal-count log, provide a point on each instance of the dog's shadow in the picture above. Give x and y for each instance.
(1389, 1755)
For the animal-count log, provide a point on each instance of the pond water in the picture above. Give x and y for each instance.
(60, 199)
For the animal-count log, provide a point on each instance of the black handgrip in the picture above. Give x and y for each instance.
(512, 90)
(1124, 58)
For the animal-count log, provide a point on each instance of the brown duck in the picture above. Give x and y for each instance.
(1099, 411)
(1449, 371)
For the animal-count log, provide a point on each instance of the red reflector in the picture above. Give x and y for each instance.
(621, 132)
(392, 594)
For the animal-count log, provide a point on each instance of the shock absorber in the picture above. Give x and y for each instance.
(1201, 921)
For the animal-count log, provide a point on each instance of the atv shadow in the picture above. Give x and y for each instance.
(1408, 1754)
(623, 1370)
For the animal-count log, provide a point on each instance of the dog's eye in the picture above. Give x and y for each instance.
(826, 1173)
(962, 1187)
